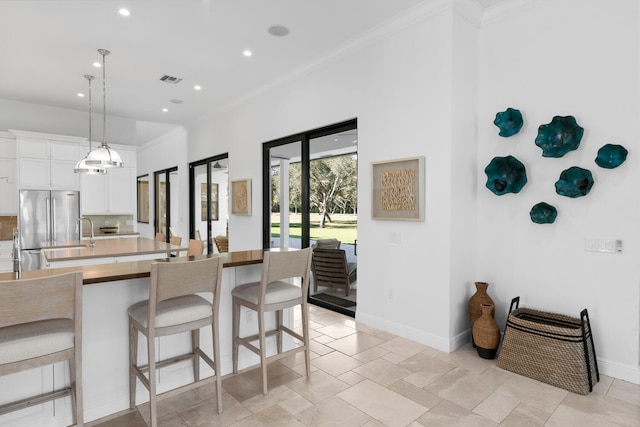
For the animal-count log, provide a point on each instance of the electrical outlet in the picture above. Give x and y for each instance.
(249, 316)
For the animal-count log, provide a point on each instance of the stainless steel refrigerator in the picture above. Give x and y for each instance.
(46, 216)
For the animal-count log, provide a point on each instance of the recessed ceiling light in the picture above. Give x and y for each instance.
(278, 30)
(97, 64)
(247, 52)
(80, 95)
(177, 101)
(124, 12)
(164, 110)
(197, 87)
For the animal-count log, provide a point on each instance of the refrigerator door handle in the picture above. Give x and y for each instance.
(48, 221)
(53, 220)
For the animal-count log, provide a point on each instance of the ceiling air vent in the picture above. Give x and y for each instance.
(170, 79)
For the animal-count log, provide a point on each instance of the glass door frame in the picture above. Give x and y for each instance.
(304, 139)
(167, 196)
(192, 196)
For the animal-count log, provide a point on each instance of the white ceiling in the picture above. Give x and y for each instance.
(46, 46)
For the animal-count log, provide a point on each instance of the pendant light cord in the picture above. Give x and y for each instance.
(88, 77)
(104, 54)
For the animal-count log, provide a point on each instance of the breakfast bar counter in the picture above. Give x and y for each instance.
(104, 251)
(108, 292)
(100, 273)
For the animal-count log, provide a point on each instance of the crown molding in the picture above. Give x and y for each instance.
(505, 9)
(472, 10)
(40, 135)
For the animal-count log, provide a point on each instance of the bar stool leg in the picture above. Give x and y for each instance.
(263, 351)
(235, 332)
(195, 344)
(153, 401)
(216, 356)
(279, 323)
(133, 361)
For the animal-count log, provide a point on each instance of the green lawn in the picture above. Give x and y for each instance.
(343, 227)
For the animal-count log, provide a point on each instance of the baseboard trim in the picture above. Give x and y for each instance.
(403, 331)
(617, 370)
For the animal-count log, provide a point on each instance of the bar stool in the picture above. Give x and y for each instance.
(173, 307)
(195, 247)
(273, 293)
(41, 324)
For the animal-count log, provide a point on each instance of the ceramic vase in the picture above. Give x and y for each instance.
(486, 333)
(476, 300)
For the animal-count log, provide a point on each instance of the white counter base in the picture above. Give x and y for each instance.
(106, 354)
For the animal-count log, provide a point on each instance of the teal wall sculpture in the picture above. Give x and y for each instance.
(559, 137)
(505, 175)
(611, 156)
(574, 182)
(543, 213)
(509, 122)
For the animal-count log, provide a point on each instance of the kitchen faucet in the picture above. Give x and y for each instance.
(92, 240)
(16, 252)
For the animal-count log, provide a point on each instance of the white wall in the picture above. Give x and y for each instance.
(167, 152)
(62, 121)
(565, 57)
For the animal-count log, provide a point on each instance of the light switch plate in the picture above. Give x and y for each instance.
(609, 246)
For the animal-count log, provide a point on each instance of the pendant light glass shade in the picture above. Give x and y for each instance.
(82, 166)
(104, 156)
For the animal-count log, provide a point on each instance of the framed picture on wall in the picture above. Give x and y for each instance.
(241, 197)
(213, 199)
(397, 188)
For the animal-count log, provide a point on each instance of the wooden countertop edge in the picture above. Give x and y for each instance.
(101, 273)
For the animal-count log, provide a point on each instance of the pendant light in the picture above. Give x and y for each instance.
(81, 166)
(104, 156)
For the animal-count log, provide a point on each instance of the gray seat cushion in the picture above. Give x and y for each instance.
(174, 311)
(276, 292)
(35, 339)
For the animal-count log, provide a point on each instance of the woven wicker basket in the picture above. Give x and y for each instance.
(549, 347)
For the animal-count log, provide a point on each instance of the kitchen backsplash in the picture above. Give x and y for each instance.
(7, 224)
(123, 222)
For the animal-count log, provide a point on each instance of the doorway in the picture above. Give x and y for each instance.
(209, 202)
(166, 201)
(310, 200)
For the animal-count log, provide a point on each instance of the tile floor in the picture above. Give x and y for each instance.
(365, 377)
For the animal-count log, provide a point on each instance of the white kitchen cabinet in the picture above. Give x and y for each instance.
(7, 145)
(8, 175)
(8, 188)
(113, 193)
(6, 256)
(47, 163)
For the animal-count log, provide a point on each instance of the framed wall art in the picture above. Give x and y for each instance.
(397, 189)
(241, 197)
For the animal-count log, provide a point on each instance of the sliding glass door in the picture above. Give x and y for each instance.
(166, 201)
(209, 202)
(310, 199)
